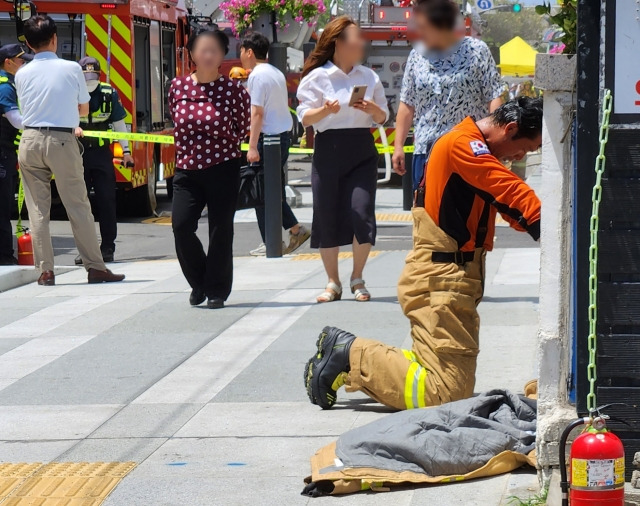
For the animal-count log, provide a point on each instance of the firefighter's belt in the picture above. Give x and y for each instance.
(454, 257)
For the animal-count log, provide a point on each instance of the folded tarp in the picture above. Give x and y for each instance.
(486, 435)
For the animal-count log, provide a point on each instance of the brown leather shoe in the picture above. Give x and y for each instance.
(106, 276)
(47, 278)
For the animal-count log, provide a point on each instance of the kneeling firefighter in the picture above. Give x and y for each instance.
(464, 187)
(105, 111)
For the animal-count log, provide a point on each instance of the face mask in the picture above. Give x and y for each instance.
(92, 85)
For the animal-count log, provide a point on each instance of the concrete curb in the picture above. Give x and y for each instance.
(14, 276)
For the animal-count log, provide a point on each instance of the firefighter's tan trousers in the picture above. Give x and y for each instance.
(440, 301)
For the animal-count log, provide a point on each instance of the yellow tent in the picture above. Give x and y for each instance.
(517, 58)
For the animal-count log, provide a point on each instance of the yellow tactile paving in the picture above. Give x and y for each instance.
(162, 220)
(60, 483)
(12, 475)
(394, 216)
(342, 254)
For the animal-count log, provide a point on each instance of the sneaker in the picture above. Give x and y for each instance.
(261, 250)
(327, 370)
(297, 240)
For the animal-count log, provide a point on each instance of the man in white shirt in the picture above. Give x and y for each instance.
(51, 110)
(269, 116)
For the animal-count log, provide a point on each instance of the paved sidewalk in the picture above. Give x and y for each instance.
(211, 404)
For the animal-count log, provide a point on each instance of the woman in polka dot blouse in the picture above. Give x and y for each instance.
(211, 117)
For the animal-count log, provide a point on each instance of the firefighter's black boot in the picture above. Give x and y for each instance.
(327, 370)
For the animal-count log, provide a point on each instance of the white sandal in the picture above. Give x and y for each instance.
(332, 292)
(362, 294)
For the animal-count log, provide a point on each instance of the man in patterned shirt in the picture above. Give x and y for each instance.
(446, 79)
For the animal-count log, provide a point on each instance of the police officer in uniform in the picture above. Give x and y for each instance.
(105, 112)
(12, 56)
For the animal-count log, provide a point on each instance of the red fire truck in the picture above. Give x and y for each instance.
(140, 47)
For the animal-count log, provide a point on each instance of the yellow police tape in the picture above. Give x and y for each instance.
(168, 139)
(126, 136)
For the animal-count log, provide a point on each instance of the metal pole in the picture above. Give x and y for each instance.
(278, 56)
(307, 49)
(272, 195)
(587, 117)
(274, 28)
(273, 171)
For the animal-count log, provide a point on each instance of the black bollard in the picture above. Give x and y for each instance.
(307, 48)
(272, 196)
(278, 56)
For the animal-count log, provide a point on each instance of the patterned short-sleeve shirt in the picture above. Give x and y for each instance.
(210, 119)
(445, 88)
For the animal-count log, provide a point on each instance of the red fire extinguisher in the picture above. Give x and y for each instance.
(25, 248)
(596, 462)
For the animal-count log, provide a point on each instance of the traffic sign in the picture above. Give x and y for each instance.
(484, 4)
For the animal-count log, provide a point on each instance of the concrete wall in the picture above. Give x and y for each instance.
(556, 75)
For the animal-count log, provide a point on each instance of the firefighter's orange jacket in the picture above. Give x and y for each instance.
(462, 176)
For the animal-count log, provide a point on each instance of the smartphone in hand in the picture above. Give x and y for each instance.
(357, 94)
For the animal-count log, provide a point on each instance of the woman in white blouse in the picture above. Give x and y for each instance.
(345, 160)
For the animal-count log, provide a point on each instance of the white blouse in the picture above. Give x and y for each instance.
(329, 83)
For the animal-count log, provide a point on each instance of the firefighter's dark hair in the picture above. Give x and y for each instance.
(442, 14)
(525, 111)
(258, 43)
(39, 30)
(214, 33)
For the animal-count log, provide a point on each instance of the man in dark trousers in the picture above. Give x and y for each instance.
(105, 111)
(269, 116)
(12, 56)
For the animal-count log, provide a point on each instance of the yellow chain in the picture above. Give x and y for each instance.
(596, 198)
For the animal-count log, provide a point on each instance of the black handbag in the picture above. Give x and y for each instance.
(251, 193)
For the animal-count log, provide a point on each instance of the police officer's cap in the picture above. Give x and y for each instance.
(13, 51)
(90, 68)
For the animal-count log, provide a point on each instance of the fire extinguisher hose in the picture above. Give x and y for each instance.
(564, 480)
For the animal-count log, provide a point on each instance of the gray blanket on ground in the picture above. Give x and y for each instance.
(452, 439)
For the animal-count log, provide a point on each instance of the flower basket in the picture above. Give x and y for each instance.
(294, 18)
(290, 31)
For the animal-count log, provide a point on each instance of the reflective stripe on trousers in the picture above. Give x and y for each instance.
(414, 382)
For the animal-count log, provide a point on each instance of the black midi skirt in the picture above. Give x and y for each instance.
(343, 182)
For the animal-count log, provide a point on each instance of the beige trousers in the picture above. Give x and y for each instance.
(440, 301)
(41, 155)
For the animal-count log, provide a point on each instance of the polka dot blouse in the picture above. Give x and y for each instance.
(210, 119)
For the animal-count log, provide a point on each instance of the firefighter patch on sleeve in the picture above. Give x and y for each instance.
(479, 148)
